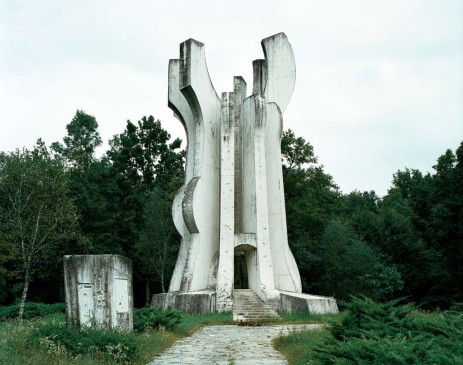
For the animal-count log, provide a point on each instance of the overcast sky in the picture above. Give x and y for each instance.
(379, 84)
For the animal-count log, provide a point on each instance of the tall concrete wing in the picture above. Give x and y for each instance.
(230, 212)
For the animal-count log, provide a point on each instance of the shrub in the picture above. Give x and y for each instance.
(155, 318)
(386, 333)
(59, 339)
(31, 310)
(389, 333)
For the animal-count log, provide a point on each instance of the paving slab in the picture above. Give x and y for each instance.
(230, 344)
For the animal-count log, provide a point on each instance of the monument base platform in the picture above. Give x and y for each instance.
(306, 303)
(204, 302)
(199, 302)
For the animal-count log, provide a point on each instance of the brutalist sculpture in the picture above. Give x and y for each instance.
(232, 203)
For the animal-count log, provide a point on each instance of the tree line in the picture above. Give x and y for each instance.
(63, 199)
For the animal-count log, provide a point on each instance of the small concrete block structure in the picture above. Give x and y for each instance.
(98, 291)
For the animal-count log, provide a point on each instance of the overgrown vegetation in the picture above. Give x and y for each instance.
(154, 318)
(48, 340)
(31, 310)
(380, 333)
(56, 339)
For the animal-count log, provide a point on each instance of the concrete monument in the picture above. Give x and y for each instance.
(231, 210)
(98, 291)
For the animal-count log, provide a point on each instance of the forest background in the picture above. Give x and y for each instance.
(62, 199)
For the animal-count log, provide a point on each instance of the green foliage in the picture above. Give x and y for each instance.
(36, 213)
(157, 249)
(387, 333)
(339, 249)
(407, 243)
(386, 225)
(435, 219)
(383, 282)
(306, 317)
(114, 194)
(296, 151)
(92, 187)
(142, 156)
(81, 141)
(142, 159)
(31, 310)
(7, 256)
(191, 323)
(299, 346)
(113, 345)
(146, 318)
(311, 199)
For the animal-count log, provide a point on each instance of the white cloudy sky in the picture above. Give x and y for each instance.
(379, 83)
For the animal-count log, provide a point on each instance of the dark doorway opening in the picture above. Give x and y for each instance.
(241, 272)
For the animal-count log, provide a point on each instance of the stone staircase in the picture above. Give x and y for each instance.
(248, 307)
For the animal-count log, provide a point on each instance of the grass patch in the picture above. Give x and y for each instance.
(191, 323)
(299, 346)
(387, 333)
(47, 340)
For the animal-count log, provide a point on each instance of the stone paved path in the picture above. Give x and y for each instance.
(225, 345)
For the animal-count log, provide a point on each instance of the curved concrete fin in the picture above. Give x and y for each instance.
(187, 206)
(280, 70)
(195, 82)
(181, 109)
(179, 222)
(200, 206)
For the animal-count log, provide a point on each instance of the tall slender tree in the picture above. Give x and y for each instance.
(36, 211)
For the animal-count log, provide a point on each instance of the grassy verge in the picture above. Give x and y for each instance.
(47, 340)
(372, 333)
(191, 323)
(298, 347)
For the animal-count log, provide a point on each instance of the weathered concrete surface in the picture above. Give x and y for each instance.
(306, 303)
(224, 345)
(196, 206)
(248, 307)
(98, 291)
(201, 302)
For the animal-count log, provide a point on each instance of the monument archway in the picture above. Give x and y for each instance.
(240, 271)
(244, 266)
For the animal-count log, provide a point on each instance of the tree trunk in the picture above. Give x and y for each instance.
(147, 293)
(162, 283)
(22, 303)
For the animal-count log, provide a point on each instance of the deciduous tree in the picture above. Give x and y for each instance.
(36, 211)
